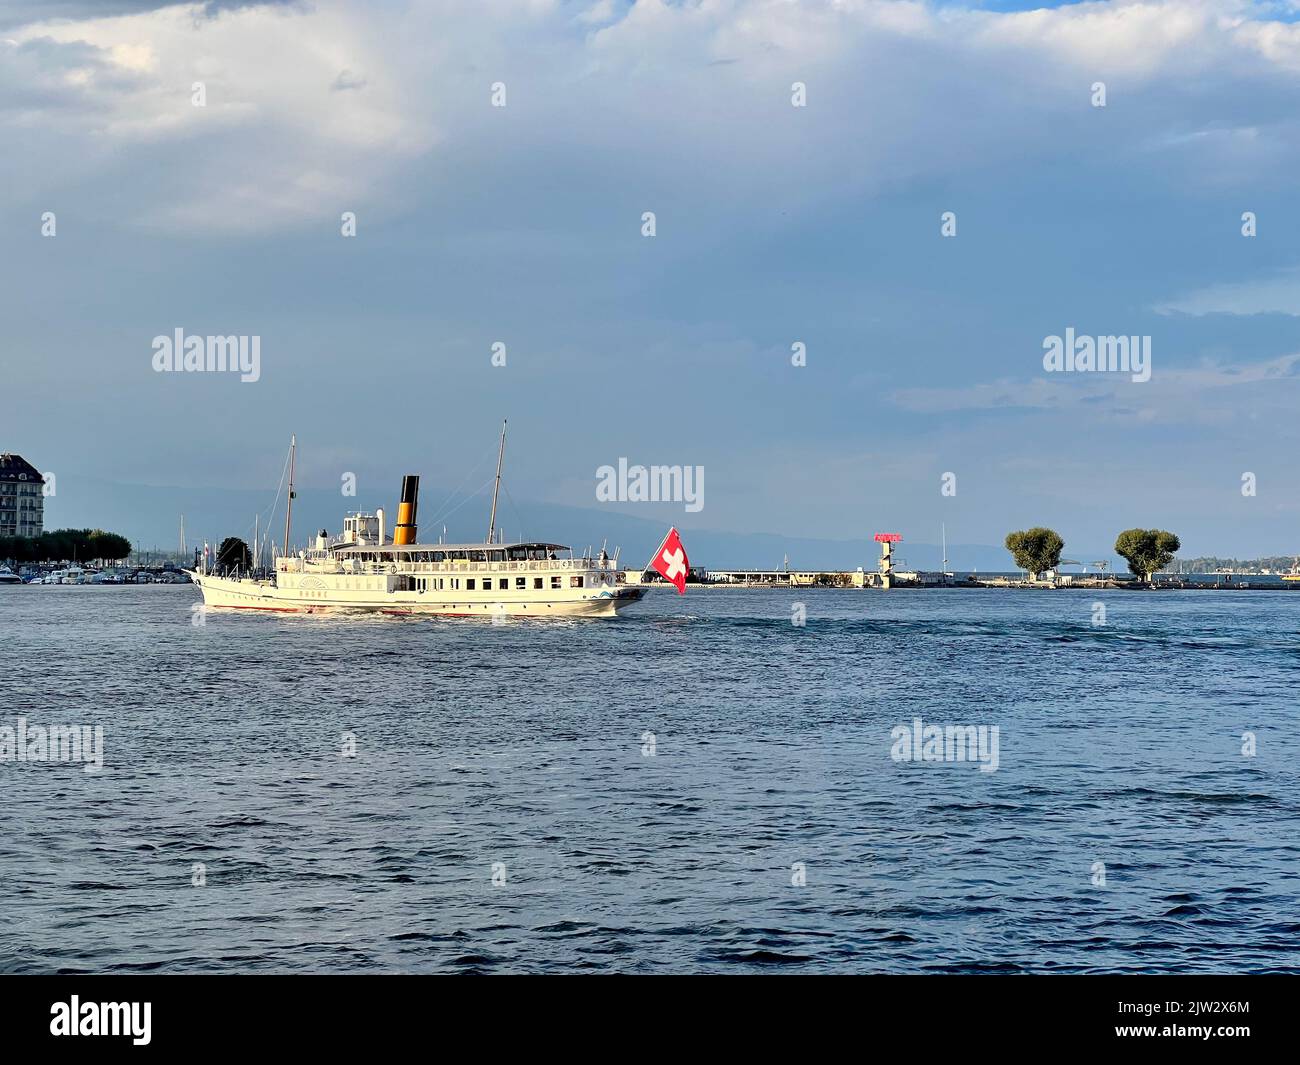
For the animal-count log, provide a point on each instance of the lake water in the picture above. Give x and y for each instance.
(701, 785)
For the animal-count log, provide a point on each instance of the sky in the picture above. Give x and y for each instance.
(924, 399)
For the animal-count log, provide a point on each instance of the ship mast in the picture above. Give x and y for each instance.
(492, 521)
(288, 510)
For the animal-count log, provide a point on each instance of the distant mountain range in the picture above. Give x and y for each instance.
(150, 517)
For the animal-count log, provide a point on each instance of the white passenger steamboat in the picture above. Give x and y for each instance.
(364, 570)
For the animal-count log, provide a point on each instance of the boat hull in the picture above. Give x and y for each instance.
(222, 593)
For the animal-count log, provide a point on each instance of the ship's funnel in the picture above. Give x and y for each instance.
(404, 532)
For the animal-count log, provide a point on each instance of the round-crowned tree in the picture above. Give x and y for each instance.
(1035, 549)
(110, 547)
(1146, 550)
(234, 554)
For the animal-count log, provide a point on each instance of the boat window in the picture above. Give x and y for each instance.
(555, 582)
(521, 583)
(469, 584)
(575, 582)
(537, 582)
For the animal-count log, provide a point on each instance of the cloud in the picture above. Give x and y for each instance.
(898, 92)
(347, 80)
(1180, 393)
(279, 146)
(16, 13)
(1273, 295)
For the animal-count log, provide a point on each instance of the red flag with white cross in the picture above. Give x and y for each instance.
(670, 561)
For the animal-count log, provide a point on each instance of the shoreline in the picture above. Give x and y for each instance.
(1246, 586)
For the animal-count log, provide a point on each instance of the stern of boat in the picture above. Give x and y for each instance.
(620, 597)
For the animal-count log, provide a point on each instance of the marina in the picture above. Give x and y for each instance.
(113, 577)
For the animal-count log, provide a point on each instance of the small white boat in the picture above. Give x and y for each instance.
(8, 576)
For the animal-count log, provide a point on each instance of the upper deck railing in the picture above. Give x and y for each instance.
(324, 562)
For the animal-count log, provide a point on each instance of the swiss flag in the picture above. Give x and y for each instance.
(670, 561)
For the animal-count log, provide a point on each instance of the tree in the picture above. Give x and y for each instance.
(234, 554)
(107, 546)
(1035, 549)
(1146, 550)
(71, 545)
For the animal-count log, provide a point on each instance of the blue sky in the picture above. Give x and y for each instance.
(775, 224)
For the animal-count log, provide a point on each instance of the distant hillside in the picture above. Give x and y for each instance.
(1211, 564)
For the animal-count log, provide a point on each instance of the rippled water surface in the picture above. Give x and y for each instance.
(518, 749)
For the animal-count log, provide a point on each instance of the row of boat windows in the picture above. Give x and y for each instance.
(442, 584)
(516, 554)
(469, 584)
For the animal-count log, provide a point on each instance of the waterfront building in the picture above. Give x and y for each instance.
(22, 497)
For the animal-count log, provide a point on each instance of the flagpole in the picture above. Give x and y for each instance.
(492, 521)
